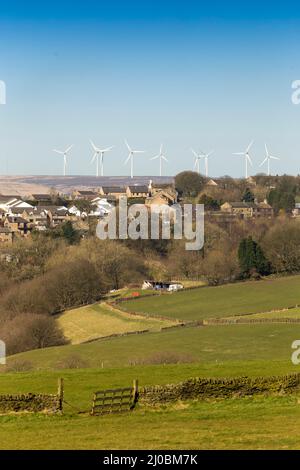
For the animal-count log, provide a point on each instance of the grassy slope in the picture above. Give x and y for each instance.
(205, 344)
(235, 424)
(231, 299)
(230, 424)
(221, 351)
(288, 313)
(95, 321)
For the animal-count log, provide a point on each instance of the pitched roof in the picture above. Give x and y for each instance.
(264, 205)
(35, 211)
(45, 209)
(163, 194)
(138, 188)
(211, 182)
(6, 199)
(246, 205)
(113, 189)
(41, 197)
(87, 193)
(17, 220)
(20, 205)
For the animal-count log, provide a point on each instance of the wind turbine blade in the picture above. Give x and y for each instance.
(93, 145)
(249, 146)
(68, 149)
(107, 149)
(127, 159)
(239, 154)
(58, 151)
(267, 152)
(193, 151)
(264, 161)
(210, 153)
(127, 145)
(94, 157)
(249, 160)
(164, 158)
(154, 158)
(138, 151)
(274, 158)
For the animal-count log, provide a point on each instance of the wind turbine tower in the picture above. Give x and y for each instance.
(130, 157)
(65, 155)
(99, 157)
(247, 157)
(206, 157)
(198, 157)
(161, 157)
(268, 159)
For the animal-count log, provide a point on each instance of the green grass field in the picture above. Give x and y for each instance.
(203, 344)
(95, 321)
(210, 424)
(227, 300)
(293, 313)
(259, 422)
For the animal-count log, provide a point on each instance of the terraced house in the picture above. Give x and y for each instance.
(248, 209)
(87, 195)
(113, 191)
(17, 224)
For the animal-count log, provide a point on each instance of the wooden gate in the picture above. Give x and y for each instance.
(116, 400)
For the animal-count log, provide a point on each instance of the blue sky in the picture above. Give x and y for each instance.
(207, 75)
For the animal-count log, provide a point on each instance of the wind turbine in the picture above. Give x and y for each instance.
(198, 157)
(161, 157)
(206, 156)
(99, 155)
(65, 154)
(131, 157)
(247, 158)
(268, 159)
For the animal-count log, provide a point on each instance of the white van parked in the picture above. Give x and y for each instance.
(175, 287)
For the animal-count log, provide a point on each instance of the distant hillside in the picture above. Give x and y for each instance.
(24, 185)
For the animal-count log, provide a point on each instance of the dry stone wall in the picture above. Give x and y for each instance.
(30, 402)
(201, 388)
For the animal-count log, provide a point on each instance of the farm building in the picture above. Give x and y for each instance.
(162, 285)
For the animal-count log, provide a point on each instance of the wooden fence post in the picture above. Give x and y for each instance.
(60, 392)
(135, 391)
(93, 404)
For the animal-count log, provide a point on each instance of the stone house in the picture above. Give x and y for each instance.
(139, 191)
(6, 236)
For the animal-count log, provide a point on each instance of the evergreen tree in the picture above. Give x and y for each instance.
(262, 264)
(248, 196)
(252, 259)
(66, 231)
(209, 202)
